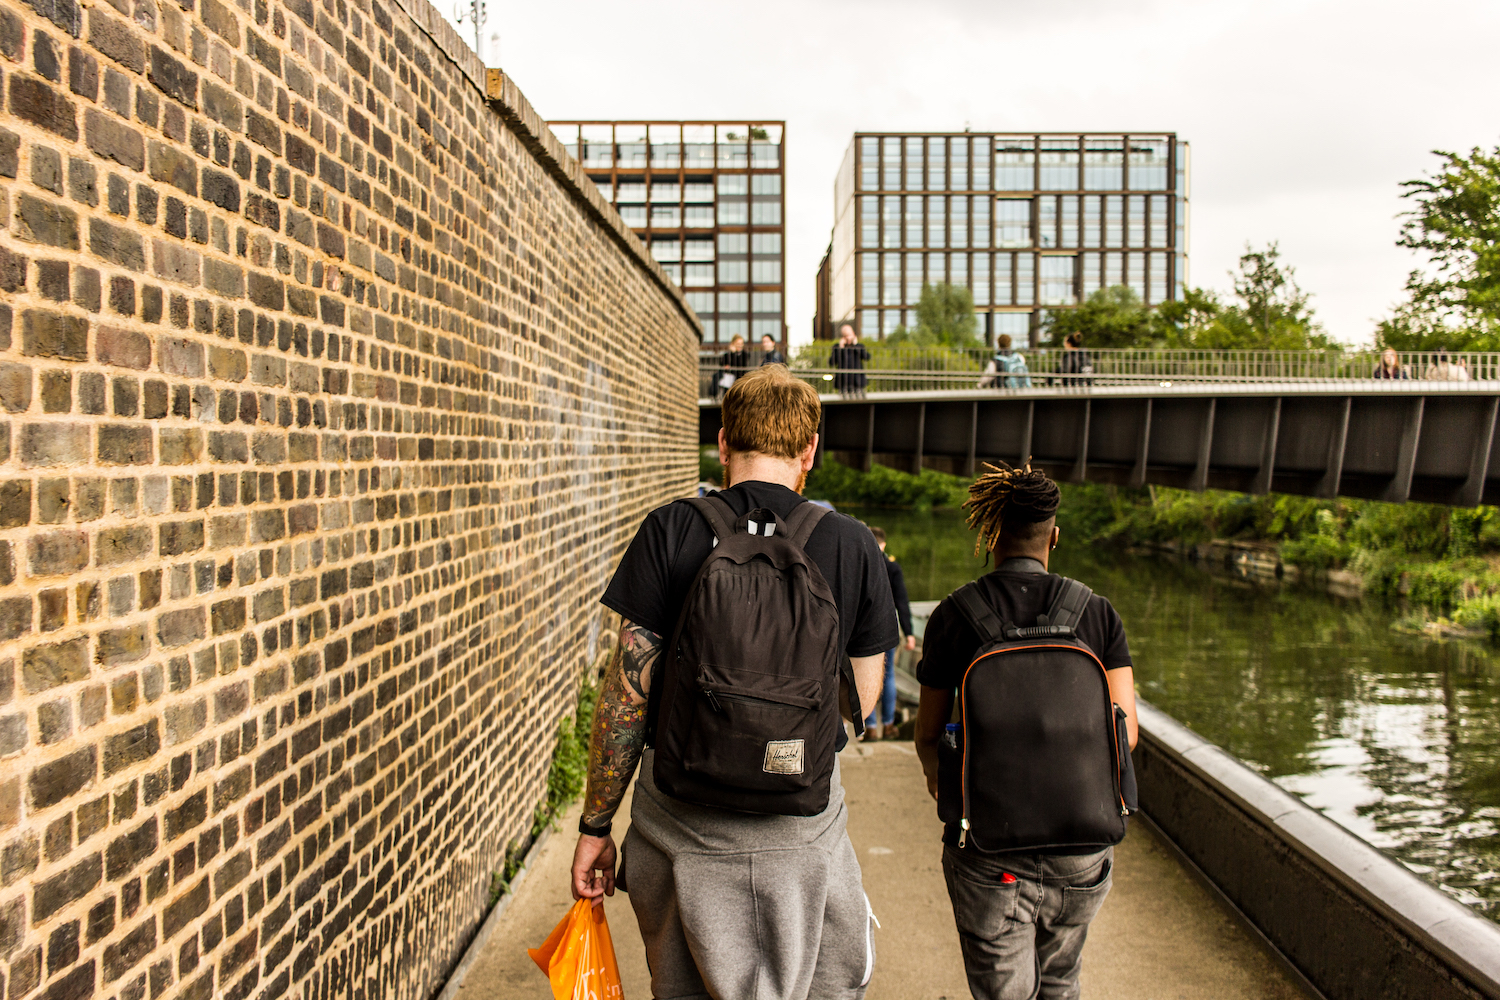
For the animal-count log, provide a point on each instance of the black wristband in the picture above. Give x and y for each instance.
(594, 831)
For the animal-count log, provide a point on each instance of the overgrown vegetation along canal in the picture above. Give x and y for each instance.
(1395, 736)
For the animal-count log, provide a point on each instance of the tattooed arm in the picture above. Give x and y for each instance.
(615, 749)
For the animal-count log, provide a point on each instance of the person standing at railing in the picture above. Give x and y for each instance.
(769, 355)
(1390, 365)
(1007, 369)
(849, 357)
(1075, 361)
(735, 362)
(1443, 370)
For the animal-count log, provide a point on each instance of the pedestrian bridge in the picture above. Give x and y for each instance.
(1410, 439)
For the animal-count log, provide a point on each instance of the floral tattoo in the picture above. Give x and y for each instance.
(620, 723)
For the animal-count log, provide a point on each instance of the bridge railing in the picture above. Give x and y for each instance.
(926, 369)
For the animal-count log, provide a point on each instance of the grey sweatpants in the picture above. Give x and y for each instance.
(740, 907)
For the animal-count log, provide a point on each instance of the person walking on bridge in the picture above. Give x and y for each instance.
(1032, 802)
(849, 357)
(751, 620)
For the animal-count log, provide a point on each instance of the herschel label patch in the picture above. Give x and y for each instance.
(783, 757)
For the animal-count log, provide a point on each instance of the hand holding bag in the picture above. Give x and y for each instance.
(579, 956)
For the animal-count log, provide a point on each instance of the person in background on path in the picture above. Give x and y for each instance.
(1075, 361)
(1022, 916)
(1444, 370)
(1007, 369)
(734, 903)
(1390, 365)
(735, 362)
(849, 357)
(769, 355)
(881, 722)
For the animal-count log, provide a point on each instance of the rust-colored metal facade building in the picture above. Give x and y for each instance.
(709, 199)
(1028, 222)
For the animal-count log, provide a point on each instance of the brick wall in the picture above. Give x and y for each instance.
(331, 393)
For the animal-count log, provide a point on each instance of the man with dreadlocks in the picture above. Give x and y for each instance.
(1022, 915)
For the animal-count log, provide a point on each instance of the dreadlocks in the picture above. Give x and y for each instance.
(1008, 499)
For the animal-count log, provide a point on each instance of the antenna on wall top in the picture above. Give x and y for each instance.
(475, 13)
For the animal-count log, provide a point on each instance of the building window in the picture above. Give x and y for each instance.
(734, 184)
(1158, 283)
(913, 164)
(937, 223)
(765, 155)
(734, 243)
(666, 192)
(869, 221)
(913, 220)
(1104, 163)
(1114, 221)
(1158, 220)
(699, 216)
(937, 164)
(630, 193)
(1135, 230)
(958, 269)
(666, 154)
(889, 320)
(891, 287)
(1089, 262)
(633, 216)
(1114, 270)
(937, 268)
(914, 268)
(869, 163)
(734, 302)
(979, 284)
(766, 302)
(765, 184)
(733, 272)
(1013, 222)
(665, 250)
(1025, 279)
(765, 243)
(606, 187)
(766, 272)
(981, 222)
(1092, 221)
(698, 156)
(890, 163)
(698, 276)
(890, 207)
(1017, 326)
(733, 213)
(702, 302)
(869, 280)
(869, 322)
(1135, 275)
(1059, 163)
(731, 328)
(709, 336)
(598, 154)
(733, 155)
(981, 164)
(1003, 294)
(698, 250)
(673, 273)
(765, 327)
(765, 213)
(1148, 164)
(698, 192)
(1068, 221)
(958, 225)
(1046, 221)
(958, 165)
(632, 155)
(1015, 165)
(666, 216)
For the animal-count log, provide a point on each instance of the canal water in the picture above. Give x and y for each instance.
(1397, 737)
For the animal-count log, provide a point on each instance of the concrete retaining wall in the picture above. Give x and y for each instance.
(1356, 923)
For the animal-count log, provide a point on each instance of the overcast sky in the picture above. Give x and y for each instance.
(1304, 117)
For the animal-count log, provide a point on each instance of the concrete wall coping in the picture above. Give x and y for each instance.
(501, 92)
(1454, 933)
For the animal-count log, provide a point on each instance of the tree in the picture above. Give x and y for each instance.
(1454, 302)
(1111, 317)
(1272, 312)
(945, 318)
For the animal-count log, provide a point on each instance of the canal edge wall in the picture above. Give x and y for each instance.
(1356, 923)
(331, 392)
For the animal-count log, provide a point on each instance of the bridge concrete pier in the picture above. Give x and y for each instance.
(1424, 441)
(1161, 933)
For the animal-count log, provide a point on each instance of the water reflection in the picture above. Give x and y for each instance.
(1396, 737)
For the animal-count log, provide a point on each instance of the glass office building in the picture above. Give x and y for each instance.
(1028, 222)
(708, 198)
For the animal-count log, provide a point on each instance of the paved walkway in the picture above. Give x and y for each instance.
(1160, 936)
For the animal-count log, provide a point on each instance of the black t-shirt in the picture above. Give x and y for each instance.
(658, 568)
(950, 642)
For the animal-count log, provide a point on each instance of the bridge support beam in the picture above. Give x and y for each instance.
(870, 441)
(1399, 491)
(1026, 426)
(1333, 468)
(1142, 450)
(1262, 482)
(1472, 490)
(1081, 465)
(973, 439)
(921, 436)
(1199, 481)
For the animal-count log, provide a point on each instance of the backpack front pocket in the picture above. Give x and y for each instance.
(755, 730)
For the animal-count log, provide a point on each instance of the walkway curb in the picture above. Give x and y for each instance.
(476, 945)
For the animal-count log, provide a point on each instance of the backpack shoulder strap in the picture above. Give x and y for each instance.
(981, 617)
(1067, 608)
(801, 522)
(719, 515)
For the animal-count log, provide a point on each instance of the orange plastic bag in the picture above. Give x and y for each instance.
(579, 956)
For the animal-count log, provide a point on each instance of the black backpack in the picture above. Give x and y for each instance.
(744, 714)
(1043, 754)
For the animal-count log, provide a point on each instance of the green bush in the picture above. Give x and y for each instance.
(710, 470)
(883, 487)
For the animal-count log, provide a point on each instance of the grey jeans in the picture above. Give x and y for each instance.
(1022, 919)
